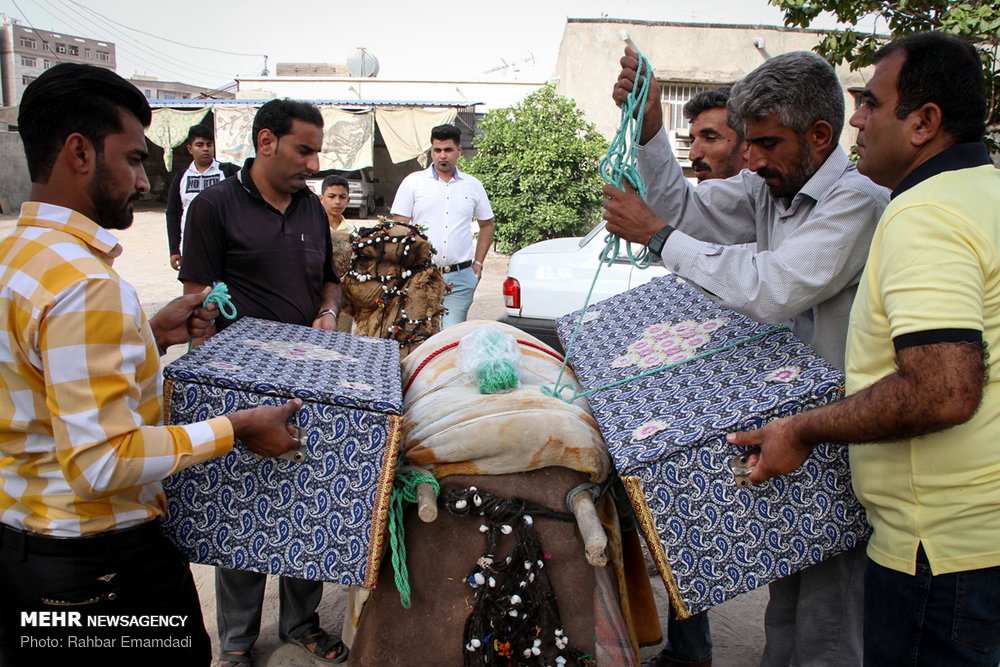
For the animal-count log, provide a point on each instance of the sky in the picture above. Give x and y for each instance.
(412, 41)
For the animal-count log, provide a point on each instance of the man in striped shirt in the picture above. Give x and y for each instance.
(82, 451)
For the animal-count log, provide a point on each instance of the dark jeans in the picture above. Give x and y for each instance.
(133, 578)
(933, 621)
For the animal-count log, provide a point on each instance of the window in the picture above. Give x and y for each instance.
(28, 43)
(673, 96)
(86, 52)
(104, 55)
(46, 64)
(25, 79)
(858, 95)
(28, 61)
(74, 50)
(60, 48)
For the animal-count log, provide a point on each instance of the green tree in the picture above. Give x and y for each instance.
(538, 161)
(977, 21)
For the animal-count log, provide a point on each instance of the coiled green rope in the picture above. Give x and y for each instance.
(497, 376)
(499, 373)
(220, 297)
(404, 489)
(617, 166)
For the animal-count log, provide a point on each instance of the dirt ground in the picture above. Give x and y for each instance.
(737, 626)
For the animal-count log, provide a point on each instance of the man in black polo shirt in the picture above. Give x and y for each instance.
(265, 234)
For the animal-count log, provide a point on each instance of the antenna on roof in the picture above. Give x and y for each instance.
(513, 65)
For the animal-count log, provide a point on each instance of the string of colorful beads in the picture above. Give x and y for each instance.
(515, 618)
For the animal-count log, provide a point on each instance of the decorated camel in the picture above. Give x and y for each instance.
(523, 559)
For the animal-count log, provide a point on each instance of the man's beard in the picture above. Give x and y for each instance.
(790, 185)
(110, 212)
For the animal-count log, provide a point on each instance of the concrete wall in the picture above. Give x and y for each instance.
(15, 185)
(587, 65)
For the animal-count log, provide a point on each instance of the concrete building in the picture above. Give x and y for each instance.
(26, 52)
(311, 69)
(154, 89)
(686, 58)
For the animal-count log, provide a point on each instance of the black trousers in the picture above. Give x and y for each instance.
(125, 597)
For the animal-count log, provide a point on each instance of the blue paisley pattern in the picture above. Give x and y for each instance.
(315, 519)
(668, 430)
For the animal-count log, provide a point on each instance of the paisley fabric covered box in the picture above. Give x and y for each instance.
(320, 513)
(675, 372)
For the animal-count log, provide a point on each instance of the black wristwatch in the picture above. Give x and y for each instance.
(655, 244)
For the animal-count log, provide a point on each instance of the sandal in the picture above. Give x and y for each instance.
(230, 658)
(324, 644)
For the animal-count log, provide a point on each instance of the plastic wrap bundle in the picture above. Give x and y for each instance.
(490, 358)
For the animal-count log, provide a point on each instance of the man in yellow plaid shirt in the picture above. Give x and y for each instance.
(82, 448)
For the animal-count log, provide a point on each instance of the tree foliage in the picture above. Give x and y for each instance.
(977, 21)
(539, 163)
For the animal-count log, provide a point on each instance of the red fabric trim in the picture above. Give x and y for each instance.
(435, 353)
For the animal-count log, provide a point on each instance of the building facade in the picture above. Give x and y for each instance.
(154, 89)
(686, 58)
(26, 52)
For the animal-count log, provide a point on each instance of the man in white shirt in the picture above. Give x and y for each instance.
(445, 201)
(203, 172)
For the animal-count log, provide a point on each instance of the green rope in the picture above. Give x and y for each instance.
(497, 376)
(617, 166)
(220, 297)
(404, 489)
(558, 392)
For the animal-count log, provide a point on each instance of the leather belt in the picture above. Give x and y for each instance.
(455, 267)
(34, 543)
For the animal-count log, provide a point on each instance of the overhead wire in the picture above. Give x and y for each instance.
(122, 48)
(152, 49)
(149, 34)
(32, 26)
(146, 56)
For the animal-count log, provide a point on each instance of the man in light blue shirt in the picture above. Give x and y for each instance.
(784, 243)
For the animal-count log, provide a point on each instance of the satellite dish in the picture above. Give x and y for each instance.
(362, 63)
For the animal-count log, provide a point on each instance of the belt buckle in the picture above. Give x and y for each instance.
(445, 269)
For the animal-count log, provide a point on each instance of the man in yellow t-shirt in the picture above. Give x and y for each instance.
(920, 387)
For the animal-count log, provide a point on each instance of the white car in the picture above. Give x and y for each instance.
(548, 279)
